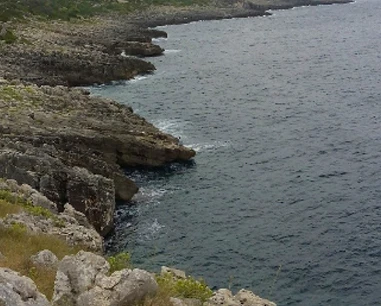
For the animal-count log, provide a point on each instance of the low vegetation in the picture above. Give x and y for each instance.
(119, 261)
(180, 288)
(8, 199)
(68, 9)
(17, 246)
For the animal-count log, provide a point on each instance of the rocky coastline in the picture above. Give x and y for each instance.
(63, 151)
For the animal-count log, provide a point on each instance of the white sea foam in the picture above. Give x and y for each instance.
(148, 195)
(159, 39)
(203, 147)
(126, 55)
(171, 126)
(171, 51)
(150, 229)
(137, 79)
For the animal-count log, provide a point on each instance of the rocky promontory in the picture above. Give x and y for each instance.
(72, 147)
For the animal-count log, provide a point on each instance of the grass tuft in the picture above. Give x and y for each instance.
(17, 245)
(7, 208)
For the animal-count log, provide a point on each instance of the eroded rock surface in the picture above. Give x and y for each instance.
(70, 225)
(224, 297)
(17, 290)
(71, 147)
(45, 258)
(82, 280)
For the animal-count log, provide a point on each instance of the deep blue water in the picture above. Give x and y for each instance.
(284, 196)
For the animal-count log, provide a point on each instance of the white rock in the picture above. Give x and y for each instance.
(17, 290)
(185, 302)
(82, 280)
(248, 298)
(45, 258)
(222, 297)
(125, 287)
(174, 272)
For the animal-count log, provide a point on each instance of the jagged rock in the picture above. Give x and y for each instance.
(93, 195)
(185, 302)
(70, 67)
(17, 290)
(77, 274)
(176, 273)
(125, 287)
(45, 258)
(82, 280)
(28, 194)
(248, 298)
(70, 225)
(139, 49)
(224, 297)
(80, 217)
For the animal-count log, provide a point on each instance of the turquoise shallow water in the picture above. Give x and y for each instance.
(283, 197)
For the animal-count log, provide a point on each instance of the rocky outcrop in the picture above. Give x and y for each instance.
(142, 49)
(82, 280)
(17, 290)
(185, 302)
(63, 53)
(72, 68)
(224, 297)
(70, 225)
(63, 226)
(71, 147)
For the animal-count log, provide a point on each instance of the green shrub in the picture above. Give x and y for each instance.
(119, 261)
(185, 288)
(9, 37)
(11, 198)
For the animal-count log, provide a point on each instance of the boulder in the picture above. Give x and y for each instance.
(45, 258)
(222, 297)
(248, 298)
(125, 287)
(82, 280)
(17, 290)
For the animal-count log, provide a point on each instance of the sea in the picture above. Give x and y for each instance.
(284, 195)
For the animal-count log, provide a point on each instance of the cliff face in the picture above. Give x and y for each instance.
(71, 147)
